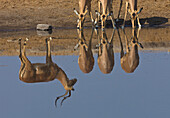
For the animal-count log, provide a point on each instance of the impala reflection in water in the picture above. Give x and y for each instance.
(105, 54)
(86, 59)
(130, 59)
(44, 72)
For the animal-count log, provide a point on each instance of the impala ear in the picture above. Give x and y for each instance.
(140, 45)
(139, 10)
(76, 12)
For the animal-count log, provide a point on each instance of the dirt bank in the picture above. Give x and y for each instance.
(26, 14)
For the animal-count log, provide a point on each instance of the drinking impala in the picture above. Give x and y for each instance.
(44, 72)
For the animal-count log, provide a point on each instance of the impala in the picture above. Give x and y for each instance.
(106, 54)
(86, 59)
(130, 60)
(133, 11)
(44, 72)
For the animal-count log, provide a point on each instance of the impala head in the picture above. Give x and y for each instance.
(135, 13)
(81, 18)
(103, 20)
(68, 87)
(134, 39)
(105, 55)
(86, 59)
(135, 43)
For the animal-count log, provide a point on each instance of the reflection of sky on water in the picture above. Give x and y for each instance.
(142, 94)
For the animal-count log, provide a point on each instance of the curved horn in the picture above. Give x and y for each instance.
(60, 97)
(66, 97)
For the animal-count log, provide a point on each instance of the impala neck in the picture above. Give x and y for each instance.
(133, 5)
(62, 77)
(104, 5)
(134, 49)
(82, 6)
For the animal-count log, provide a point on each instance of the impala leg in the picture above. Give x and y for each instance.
(119, 10)
(90, 13)
(137, 38)
(98, 38)
(48, 54)
(99, 5)
(83, 40)
(133, 23)
(100, 51)
(138, 21)
(111, 39)
(133, 33)
(20, 52)
(125, 15)
(20, 57)
(111, 14)
(111, 44)
(137, 16)
(100, 46)
(138, 32)
(78, 25)
(110, 6)
(90, 41)
(127, 44)
(113, 21)
(121, 45)
(24, 57)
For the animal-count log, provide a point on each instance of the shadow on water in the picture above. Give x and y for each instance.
(145, 22)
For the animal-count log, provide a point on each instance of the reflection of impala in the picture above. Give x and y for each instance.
(84, 6)
(105, 5)
(133, 11)
(130, 60)
(105, 54)
(86, 59)
(44, 72)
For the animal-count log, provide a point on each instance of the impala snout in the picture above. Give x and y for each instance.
(133, 15)
(80, 21)
(73, 89)
(104, 17)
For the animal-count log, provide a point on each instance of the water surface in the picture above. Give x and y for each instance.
(142, 94)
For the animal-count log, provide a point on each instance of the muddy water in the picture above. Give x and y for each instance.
(65, 40)
(141, 94)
